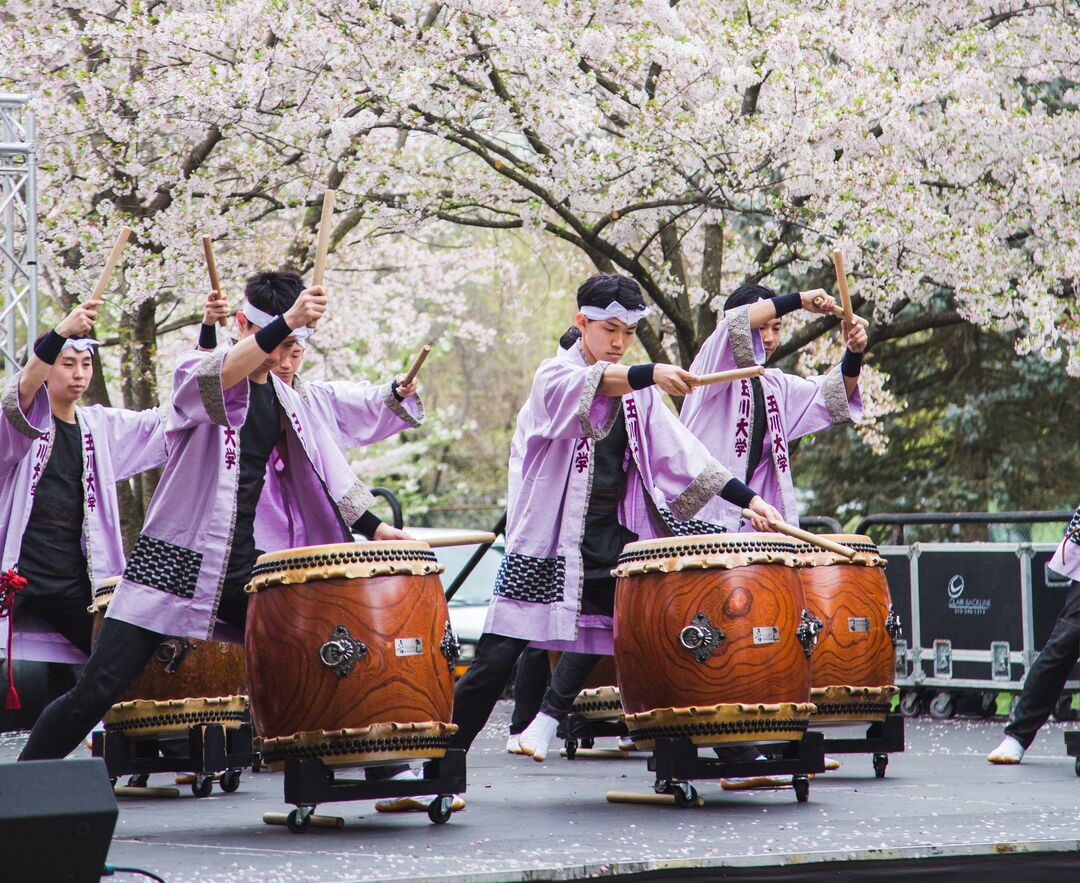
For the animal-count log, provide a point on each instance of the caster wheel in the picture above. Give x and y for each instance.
(256, 762)
(588, 743)
(1076, 766)
(1063, 710)
(138, 781)
(112, 781)
(988, 704)
(909, 704)
(299, 819)
(439, 810)
(203, 785)
(943, 706)
(571, 748)
(801, 784)
(230, 781)
(881, 761)
(685, 795)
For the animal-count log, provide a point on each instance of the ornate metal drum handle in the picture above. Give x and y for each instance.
(172, 652)
(808, 631)
(892, 625)
(450, 646)
(701, 637)
(342, 651)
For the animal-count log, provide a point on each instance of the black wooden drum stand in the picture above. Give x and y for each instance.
(1072, 747)
(676, 762)
(309, 782)
(209, 749)
(882, 739)
(578, 731)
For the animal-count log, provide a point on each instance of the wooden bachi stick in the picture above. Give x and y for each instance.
(799, 534)
(839, 312)
(465, 538)
(726, 376)
(110, 264)
(417, 363)
(841, 284)
(211, 269)
(323, 243)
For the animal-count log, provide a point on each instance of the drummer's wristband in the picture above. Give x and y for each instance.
(393, 389)
(48, 348)
(367, 524)
(851, 364)
(737, 493)
(640, 376)
(787, 303)
(208, 337)
(273, 335)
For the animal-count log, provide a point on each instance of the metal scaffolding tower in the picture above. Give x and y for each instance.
(18, 229)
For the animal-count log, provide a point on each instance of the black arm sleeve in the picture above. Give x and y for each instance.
(208, 337)
(640, 376)
(273, 335)
(787, 303)
(49, 348)
(367, 524)
(737, 493)
(851, 364)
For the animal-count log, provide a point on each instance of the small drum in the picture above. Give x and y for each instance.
(712, 640)
(350, 654)
(855, 660)
(185, 684)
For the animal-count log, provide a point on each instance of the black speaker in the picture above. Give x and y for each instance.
(56, 820)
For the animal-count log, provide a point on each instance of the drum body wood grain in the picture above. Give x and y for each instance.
(186, 682)
(350, 653)
(854, 662)
(712, 622)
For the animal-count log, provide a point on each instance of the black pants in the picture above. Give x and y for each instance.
(1048, 674)
(65, 616)
(119, 656)
(530, 684)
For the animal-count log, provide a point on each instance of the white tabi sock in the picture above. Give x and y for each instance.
(538, 736)
(1009, 751)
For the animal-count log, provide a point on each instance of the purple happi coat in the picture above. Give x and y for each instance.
(354, 415)
(173, 581)
(1066, 560)
(116, 444)
(670, 476)
(722, 416)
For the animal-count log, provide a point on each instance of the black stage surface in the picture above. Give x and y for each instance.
(941, 811)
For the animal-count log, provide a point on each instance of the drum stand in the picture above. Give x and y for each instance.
(578, 731)
(210, 749)
(882, 739)
(309, 782)
(676, 762)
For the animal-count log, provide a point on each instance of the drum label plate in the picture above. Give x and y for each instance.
(858, 624)
(408, 646)
(766, 634)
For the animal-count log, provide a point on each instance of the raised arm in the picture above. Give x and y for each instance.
(77, 323)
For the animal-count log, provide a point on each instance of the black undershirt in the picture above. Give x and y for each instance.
(51, 557)
(604, 536)
(258, 435)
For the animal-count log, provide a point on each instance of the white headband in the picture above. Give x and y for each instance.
(257, 317)
(80, 344)
(614, 310)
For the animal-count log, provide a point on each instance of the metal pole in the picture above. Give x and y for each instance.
(470, 565)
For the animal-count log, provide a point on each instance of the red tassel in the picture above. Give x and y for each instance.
(10, 583)
(11, 701)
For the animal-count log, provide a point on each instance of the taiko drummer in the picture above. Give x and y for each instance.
(597, 461)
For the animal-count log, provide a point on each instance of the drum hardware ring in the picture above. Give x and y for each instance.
(450, 646)
(341, 653)
(807, 632)
(172, 652)
(893, 625)
(701, 637)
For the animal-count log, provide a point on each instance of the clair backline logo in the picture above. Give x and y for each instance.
(961, 605)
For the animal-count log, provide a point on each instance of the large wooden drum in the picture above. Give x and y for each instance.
(855, 660)
(712, 640)
(350, 654)
(185, 683)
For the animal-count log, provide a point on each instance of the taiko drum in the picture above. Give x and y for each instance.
(712, 639)
(350, 654)
(855, 660)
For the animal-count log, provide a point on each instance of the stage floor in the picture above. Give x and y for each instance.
(537, 821)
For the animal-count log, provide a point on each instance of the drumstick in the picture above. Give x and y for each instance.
(417, 362)
(839, 311)
(725, 376)
(841, 284)
(211, 268)
(280, 818)
(465, 538)
(805, 535)
(323, 242)
(110, 264)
